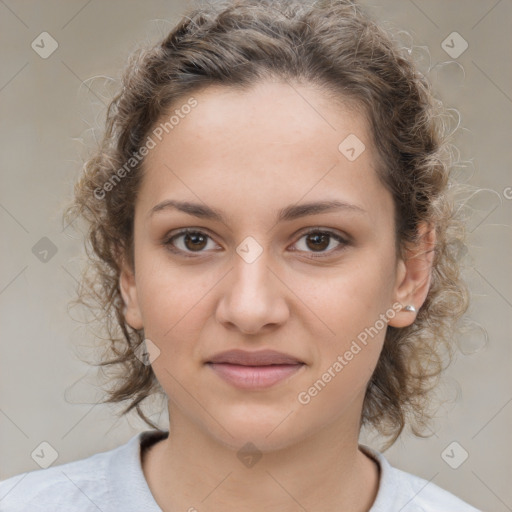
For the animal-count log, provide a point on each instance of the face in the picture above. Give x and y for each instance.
(308, 284)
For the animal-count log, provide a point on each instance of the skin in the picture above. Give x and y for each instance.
(248, 154)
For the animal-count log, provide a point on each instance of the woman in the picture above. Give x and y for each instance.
(271, 225)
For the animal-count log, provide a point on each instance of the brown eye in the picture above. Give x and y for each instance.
(188, 241)
(194, 241)
(317, 241)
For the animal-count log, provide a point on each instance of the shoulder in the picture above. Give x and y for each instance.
(89, 484)
(399, 490)
(424, 495)
(75, 482)
(80, 483)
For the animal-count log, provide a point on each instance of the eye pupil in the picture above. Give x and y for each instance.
(194, 238)
(319, 236)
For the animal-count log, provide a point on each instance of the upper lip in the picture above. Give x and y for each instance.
(259, 358)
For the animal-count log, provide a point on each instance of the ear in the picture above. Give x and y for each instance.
(128, 289)
(414, 275)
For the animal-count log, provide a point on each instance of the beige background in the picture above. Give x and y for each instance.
(49, 108)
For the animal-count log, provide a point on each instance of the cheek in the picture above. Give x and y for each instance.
(166, 298)
(356, 311)
(354, 307)
(350, 299)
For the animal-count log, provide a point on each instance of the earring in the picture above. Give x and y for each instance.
(410, 308)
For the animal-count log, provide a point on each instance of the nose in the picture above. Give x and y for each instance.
(253, 297)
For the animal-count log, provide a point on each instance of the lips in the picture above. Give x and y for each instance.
(254, 370)
(260, 358)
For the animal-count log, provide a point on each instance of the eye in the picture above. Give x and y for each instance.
(189, 241)
(320, 240)
(192, 241)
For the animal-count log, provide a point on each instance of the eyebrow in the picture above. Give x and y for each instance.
(285, 214)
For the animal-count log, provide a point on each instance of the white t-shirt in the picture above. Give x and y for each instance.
(114, 481)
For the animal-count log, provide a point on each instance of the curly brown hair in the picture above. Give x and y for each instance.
(334, 45)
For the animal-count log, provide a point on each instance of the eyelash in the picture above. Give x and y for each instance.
(168, 242)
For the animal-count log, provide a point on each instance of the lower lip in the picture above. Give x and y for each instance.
(254, 377)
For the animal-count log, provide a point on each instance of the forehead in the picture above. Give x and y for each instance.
(273, 143)
(278, 112)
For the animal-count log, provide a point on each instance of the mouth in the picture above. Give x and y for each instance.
(254, 370)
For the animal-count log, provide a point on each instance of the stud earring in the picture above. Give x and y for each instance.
(410, 308)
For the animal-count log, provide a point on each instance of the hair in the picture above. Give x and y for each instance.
(335, 46)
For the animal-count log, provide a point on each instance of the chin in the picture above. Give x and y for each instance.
(268, 430)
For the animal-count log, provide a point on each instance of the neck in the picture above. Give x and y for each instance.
(326, 471)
